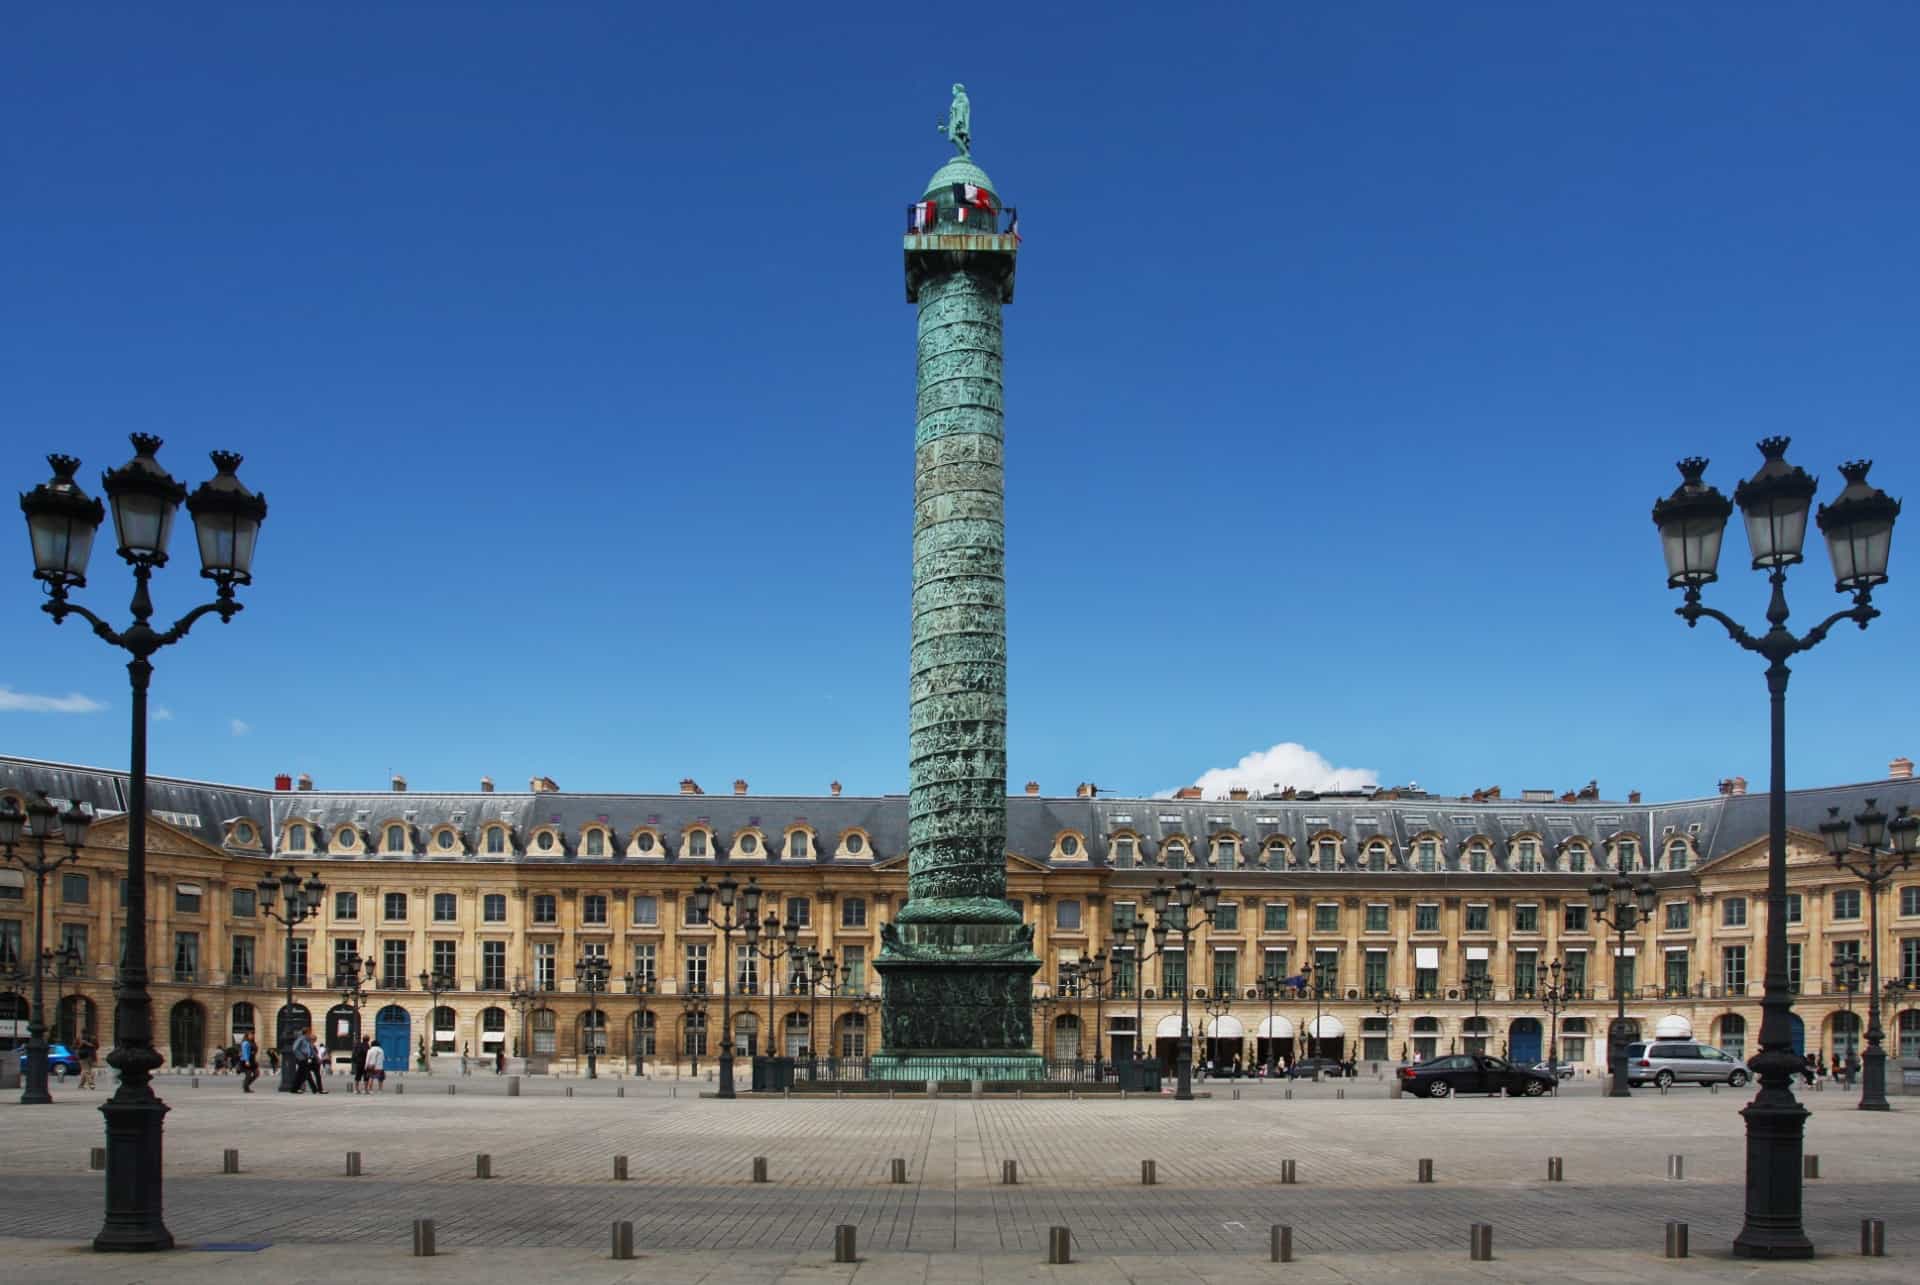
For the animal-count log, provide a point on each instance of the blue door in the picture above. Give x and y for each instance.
(1799, 1035)
(392, 1030)
(1523, 1041)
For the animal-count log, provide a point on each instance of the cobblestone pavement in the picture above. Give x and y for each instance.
(1219, 1164)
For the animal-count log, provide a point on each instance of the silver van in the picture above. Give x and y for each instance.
(1665, 1062)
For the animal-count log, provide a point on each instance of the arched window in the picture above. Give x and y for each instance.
(1377, 855)
(696, 843)
(443, 1030)
(493, 1029)
(853, 1035)
(1577, 858)
(1327, 853)
(1478, 857)
(799, 847)
(1226, 850)
(496, 840)
(545, 1023)
(1427, 855)
(396, 838)
(244, 1019)
(1733, 1036)
(593, 1031)
(797, 1032)
(296, 838)
(645, 1033)
(1679, 854)
(696, 1033)
(1526, 854)
(1175, 853)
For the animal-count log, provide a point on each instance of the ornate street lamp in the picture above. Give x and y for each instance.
(825, 969)
(1184, 908)
(1898, 840)
(1092, 975)
(1136, 930)
(285, 898)
(1553, 998)
(643, 986)
(733, 919)
(435, 984)
(40, 822)
(61, 522)
(1216, 1006)
(1858, 527)
(351, 977)
(781, 943)
(1621, 905)
(1386, 1004)
(694, 1014)
(591, 972)
(522, 996)
(1317, 983)
(1477, 988)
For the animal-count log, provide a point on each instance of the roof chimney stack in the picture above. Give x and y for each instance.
(399, 784)
(1901, 769)
(1633, 796)
(486, 785)
(543, 785)
(690, 786)
(1187, 792)
(1733, 785)
(1237, 793)
(1084, 790)
(305, 782)
(835, 788)
(283, 782)
(739, 785)
(1033, 787)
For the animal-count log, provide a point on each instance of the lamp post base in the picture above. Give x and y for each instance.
(1776, 1133)
(133, 1221)
(33, 1090)
(1873, 1080)
(726, 1076)
(1183, 1072)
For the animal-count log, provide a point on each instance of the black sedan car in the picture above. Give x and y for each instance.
(1473, 1073)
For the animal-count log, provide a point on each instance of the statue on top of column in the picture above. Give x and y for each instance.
(959, 126)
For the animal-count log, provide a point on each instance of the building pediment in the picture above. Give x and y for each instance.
(1804, 852)
(163, 840)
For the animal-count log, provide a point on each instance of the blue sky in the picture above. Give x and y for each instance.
(1352, 345)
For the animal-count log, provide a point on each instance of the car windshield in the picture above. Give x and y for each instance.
(1495, 1064)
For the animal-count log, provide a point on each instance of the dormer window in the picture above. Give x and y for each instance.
(798, 846)
(747, 845)
(1226, 850)
(343, 838)
(1526, 854)
(496, 840)
(243, 832)
(1428, 854)
(396, 838)
(1376, 855)
(1176, 853)
(296, 838)
(1679, 855)
(644, 843)
(596, 843)
(1477, 857)
(856, 844)
(1577, 858)
(1069, 845)
(544, 841)
(1125, 851)
(696, 843)
(1326, 853)
(444, 841)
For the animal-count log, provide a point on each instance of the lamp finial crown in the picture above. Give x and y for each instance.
(145, 445)
(64, 467)
(227, 462)
(1774, 448)
(1693, 469)
(1856, 470)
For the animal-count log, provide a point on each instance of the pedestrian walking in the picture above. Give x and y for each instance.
(499, 1059)
(249, 1061)
(376, 1069)
(358, 1061)
(89, 1053)
(466, 1052)
(1853, 1067)
(306, 1062)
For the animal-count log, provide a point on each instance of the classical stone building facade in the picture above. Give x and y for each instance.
(1434, 900)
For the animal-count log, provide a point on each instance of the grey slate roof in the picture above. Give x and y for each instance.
(1718, 824)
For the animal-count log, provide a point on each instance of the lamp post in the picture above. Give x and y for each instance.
(1858, 527)
(41, 822)
(1386, 1004)
(1898, 840)
(1216, 1006)
(1845, 970)
(643, 986)
(1318, 985)
(1043, 1006)
(435, 984)
(1195, 906)
(739, 907)
(1136, 929)
(1553, 998)
(1621, 905)
(285, 898)
(782, 942)
(351, 977)
(1093, 975)
(67, 963)
(694, 1013)
(61, 522)
(1477, 988)
(521, 997)
(592, 971)
(826, 969)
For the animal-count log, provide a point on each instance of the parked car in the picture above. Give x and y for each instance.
(1327, 1066)
(1665, 1062)
(1562, 1069)
(60, 1061)
(1473, 1073)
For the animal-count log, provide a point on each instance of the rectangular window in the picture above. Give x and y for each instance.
(1376, 972)
(593, 908)
(73, 938)
(1326, 917)
(1526, 919)
(1577, 859)
(696, 968)
(1909, 963)
(9, 942)
(13, 885)
(1796, 907)
(1846, 903)
(1573, 917)
(798, 848)
(1275, 920)
(1126, 972)
(1479, 917)
(493, 965)
(243, 903)
(496, 841)
(1326, 971)
(346, 905)
(344, 949)
(1123, 853)
(1679, 916)
(1066, 915)
(396, 906)
(1733, 969)
(1526, 973)
(186, 957)
(646, 912)
(296, 966)
(1273, 964)
(1173, 972)
(446, 960)
(493, 908)
(1226, 972)
(1794, 974)
(545, 965)
(241, 967)
(1429, 854)
(1226, 917)
(1426, 918)
(1527, 854)
(1676, 979)
(853, 912)
(73, 889)
(853, 970)
(546, 908)
(690, 913)
(1733, 912)
(1624, 972)
(446, 907)
(746, 969)
(697, 843)
(1576, 973)
(646, 967)
(1910, 899)
(1377, 917)
(800, 911)
(393, 965)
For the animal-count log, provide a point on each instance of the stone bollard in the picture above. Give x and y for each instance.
(1676, 1167)
(1287, 1175)
(1149, 1173)
(786, 1095)
(230, 1161)
(1236, 1095)
(423, 1238)
(1393, 1089)
(622, 1238)
(353, 1164)
(451, 1088)
(97, 1158)
(1339, 1095)
(483, 1165)
(1009, 1173)
(513, 1086)
(569, 1089)
(673, 1090)
(1289, 1095)
(1480, 1243)
(1426, 1171)
(1676, 1238)
(1873, 1237)
(1059, 1245)
(1713, 1089)
(1556, 1170)
(193, 1082)
(933, 1088)
(400, 1086)
(1810, 1166)
(897, 1170)
(976, 1088)
(889, 1095)
(1662, 1088)
(619, 1168)
(1819, 1086)
(1280, 1243)
(845, 1247)
(620, 1092)
(760, 1169)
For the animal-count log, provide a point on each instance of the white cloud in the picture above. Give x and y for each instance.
(1274, 769)
(29, 703)
(161, 713)
(240, 727)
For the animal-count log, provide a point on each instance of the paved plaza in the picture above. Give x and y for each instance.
(1356, 1209)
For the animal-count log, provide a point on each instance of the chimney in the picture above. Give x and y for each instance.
(1493, 792)
(285, 782)
(1901, 769)
(1084, 790)
(1187, 792)
(835, 789)
(399, 784)
(690, 786)
(543, 785)
(1590, 791)
(305, 783)
(1733, 785)
(1033, 787)
(1633, 796)
(486, 785)
(1237, 792)
(739, 785)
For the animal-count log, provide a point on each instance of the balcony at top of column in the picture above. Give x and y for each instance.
(983, 241)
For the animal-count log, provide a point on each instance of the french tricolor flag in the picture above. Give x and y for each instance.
(968, 194)
(922, 216)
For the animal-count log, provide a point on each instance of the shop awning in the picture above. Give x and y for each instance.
(1275, 1028)
(1326, 1027)
(1226, 1027)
